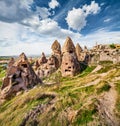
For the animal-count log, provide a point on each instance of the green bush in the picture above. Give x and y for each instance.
(112, 46)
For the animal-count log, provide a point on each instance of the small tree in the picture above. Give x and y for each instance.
(112, 46)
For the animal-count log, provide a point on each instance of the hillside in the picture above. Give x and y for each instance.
(91, 98)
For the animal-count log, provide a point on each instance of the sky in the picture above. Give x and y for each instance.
(31, 26)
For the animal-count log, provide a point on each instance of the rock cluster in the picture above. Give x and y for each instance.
(45, 66)
(68, 60)
(20, 75)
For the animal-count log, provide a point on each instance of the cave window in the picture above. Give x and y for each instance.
(70, 51)
(24, 65)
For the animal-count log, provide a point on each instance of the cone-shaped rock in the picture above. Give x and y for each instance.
(56, 48)
(85, 49)
(43, 59)
(19, 76)
(70, 65)
(68, 46)
(78, 51)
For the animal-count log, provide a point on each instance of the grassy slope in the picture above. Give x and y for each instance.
(75, 104)
(2, 74)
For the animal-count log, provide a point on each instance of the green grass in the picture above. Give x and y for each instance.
(2, 73)
(105, 87)
(84, 117)
(86, 71)
(118, 98)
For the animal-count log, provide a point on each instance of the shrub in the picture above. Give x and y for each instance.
(112, 46)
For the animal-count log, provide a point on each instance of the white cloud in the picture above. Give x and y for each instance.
(107, 20)
(43, 12)
(48, 27)
(93, 8)
(53, 4)
(33, 39)
(76, 18)
(17, 38)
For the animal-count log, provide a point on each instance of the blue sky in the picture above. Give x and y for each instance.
(31, 26)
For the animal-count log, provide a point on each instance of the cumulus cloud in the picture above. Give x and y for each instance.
(10, 9)
(16, 11)
(53, 4)
(33, 37)
(76, 18)
(49, 28)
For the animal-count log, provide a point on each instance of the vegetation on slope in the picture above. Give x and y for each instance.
(75, 100)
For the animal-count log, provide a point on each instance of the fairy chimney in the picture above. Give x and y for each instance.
(85, 49)
(70, 65)
(56, 49)
(68, 46)
(43, 59)
(79, 52)
(19, 76)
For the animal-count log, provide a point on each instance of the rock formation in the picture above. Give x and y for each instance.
(20, 75)
(56, 49)
(42, 60)
(79, 52)
(47, 67)
(70, 65)
(105, 53)
(11, 62)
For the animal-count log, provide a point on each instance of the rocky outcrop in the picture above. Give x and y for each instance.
(70, 65)
(47, 67)
(20, 75)
(105, 53)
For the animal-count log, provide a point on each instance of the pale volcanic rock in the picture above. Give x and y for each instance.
(19, 76)
(79, 52)
(70, 65)
(68, 46)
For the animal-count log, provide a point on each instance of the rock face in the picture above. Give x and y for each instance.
(70, 65)
(20, 75)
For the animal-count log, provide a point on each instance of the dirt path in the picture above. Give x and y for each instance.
(106, 106)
